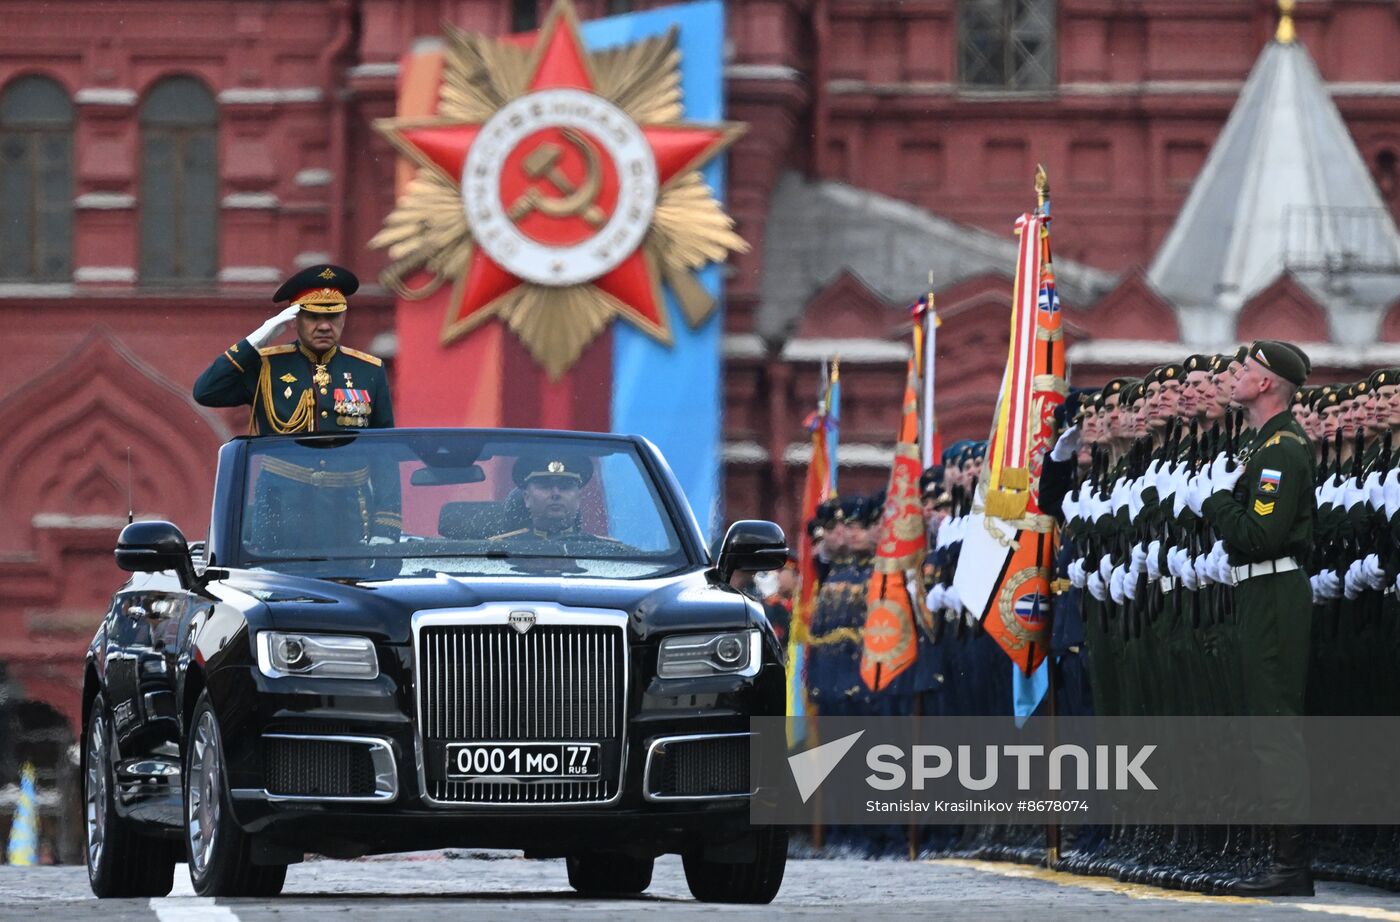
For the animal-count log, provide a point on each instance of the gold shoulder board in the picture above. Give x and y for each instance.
(277, 350)
(363, 356)
(508, 534)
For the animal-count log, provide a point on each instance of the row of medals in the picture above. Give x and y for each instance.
(353, 413)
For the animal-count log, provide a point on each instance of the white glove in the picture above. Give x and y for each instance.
(1130, 585)
(1077, 576)
(1351, 586)
(1119, 498)
(1390, 487)
(1197, 492)
(273, 328)
(1174, 556)
(1328, 584)
(1316, 594)
(1180, 496)
(1105, 568)
(1135, 490)
(1138, 560)
(1153, 561)
(1354, 494)
(952, 601)
(934, 600)
(1165, 482)
(1375, 491)
(1070, 505)
(1372, 573)
(1203, 569)
(1188, 573)
(1219, 563)
(382, 539)
(1115, 584)
(1096, 587)
(1224, 474)
(1067, 444)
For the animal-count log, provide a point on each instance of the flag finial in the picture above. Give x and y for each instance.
(1286, 34)
(1042, 185)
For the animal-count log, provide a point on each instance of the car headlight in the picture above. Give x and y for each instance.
(327, 656)
(690, 656)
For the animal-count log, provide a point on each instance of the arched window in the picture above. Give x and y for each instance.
(179, 183)
(36, 181)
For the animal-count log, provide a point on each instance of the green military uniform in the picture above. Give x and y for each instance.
(1266, 523)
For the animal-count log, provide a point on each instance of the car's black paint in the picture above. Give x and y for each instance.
(170, 635)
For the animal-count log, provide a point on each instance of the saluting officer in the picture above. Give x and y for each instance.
(312, 385)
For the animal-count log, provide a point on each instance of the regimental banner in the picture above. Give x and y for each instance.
(1004, 569)
(558, 183)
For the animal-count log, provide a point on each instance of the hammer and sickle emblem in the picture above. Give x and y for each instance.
(543, 163)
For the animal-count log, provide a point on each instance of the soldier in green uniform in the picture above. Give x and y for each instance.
(312, 385)
(1263, 510)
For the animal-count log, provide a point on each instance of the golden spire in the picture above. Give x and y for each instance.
(1042, 186)
(1286, 34)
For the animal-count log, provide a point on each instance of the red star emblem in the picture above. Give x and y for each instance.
(559, 187)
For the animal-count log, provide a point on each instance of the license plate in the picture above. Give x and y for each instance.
(485, 761)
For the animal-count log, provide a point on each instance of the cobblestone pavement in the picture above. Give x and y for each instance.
(500, 885)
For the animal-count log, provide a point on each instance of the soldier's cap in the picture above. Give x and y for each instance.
(1219, 363)
(829, 513)
(815, 530)
(852, 510)
(873, 509)
(1115, 386)
(1329, 397)
(931, 480)
(1198, 363)
(977, 450)
(1384, 377)
(319, 289)
(1283, 359)
(953, 453)
(943, 501)
(1240, 354)
(554, 466)
(1132, 392)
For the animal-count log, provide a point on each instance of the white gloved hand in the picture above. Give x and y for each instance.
(1351, 583)
(1375, 490)
(1174, 555)
(1390, 488)
(1197, 491)
(1328, 584)
(382, 539)
(1067, 444)
(1070, 505)
(1130, 585)
(1354, 494)
(1219, 563)
(952, 601)
(273, 328)
(1105, 568)
(1115, 584)
(934, 600)
(1096, 587)
(1188, 573)
(1316, 594)
(1077, 576)
(1118, 499)
(1201, 566)
(1138, 561)
(1135, 490)
(1224, 474)
(1372, 573)
(1153, 561)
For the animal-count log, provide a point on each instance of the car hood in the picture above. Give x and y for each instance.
(383, 610)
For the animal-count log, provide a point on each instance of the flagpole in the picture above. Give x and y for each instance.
(929, 423)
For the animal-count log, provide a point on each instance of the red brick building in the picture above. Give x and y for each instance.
(163, 165)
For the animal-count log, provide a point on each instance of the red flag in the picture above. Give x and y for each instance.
(891, 644)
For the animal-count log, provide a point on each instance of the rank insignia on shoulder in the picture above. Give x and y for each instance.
(1263, 508)
(288, 378)
(1269, 480)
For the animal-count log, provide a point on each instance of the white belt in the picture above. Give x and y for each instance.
(1168, 583)
(1267, 568)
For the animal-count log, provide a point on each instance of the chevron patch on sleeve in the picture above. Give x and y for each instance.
(1263, 508)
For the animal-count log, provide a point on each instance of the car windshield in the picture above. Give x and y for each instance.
(416, 503)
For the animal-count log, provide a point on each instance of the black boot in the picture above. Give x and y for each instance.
(1288, 874)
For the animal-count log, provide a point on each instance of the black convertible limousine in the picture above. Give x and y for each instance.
(406, 639)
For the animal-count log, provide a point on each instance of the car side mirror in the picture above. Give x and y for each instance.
(751, 544)
(149, 547)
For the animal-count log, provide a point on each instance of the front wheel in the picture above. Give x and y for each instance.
(219, 852)
(756, 881)
(120, 861)
(609, 873)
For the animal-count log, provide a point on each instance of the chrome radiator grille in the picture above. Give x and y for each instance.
(493, 683)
